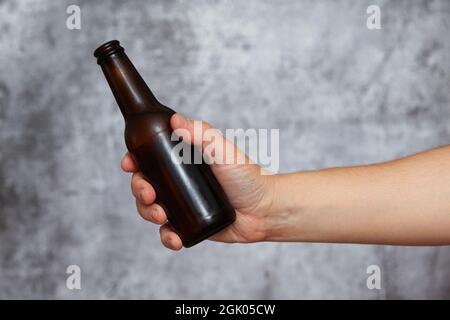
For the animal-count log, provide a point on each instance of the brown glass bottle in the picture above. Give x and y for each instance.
(194, 201)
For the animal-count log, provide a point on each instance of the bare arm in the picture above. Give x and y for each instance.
(405, 202)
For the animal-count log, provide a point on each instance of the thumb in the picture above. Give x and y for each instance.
(191, 131)
(212, 143)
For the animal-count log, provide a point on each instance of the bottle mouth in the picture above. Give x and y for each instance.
(108, 49)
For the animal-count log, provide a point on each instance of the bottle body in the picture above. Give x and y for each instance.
(194, 201)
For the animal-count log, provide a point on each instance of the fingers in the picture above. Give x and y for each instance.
(145, 202)
(128, 164)
(145, 197)
(141, 189)
(169, 238)
(153, 213)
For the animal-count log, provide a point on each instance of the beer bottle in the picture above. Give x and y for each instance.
(194, 201)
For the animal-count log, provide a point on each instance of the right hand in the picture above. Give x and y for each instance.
(250, 193)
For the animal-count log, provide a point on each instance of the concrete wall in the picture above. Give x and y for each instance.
(340, 93)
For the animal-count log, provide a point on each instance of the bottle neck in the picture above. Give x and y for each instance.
(131, 92)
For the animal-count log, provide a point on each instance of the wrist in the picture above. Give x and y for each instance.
(284, 207)
(296, 207)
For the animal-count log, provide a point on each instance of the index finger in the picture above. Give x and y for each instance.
(128, 164)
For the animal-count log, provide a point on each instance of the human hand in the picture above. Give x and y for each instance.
(249, 191)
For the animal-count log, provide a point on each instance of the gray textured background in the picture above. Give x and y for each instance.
(340, 94)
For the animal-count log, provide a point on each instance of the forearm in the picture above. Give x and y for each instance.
(405, 202)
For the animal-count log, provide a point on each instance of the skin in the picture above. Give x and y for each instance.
(401, 202)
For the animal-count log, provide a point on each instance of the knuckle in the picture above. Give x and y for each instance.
(143, 211)
(206, 125)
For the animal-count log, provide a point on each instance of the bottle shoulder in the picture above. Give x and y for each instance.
(141, 128)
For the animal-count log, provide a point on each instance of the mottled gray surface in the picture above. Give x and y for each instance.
(340, 94)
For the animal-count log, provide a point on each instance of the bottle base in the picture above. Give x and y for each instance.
(192, 242)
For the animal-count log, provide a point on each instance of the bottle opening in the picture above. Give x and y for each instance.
(108, 49)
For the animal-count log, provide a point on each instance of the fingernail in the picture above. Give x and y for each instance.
(142, 195)
(171, 244)
(155, 214)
